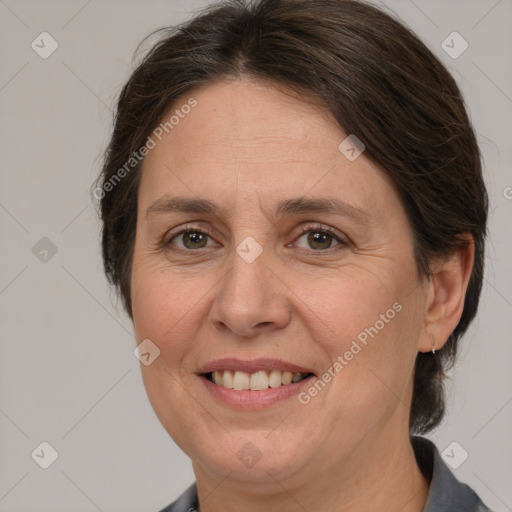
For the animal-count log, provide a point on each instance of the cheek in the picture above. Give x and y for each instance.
(169, 308)
(353, 304)
(160, 309)
(161, 312)
(160, 299)
(372, 328)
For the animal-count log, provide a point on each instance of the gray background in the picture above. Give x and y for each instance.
(67, 372)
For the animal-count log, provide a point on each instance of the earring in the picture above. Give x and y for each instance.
(433, 348)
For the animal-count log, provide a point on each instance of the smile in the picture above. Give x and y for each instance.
(253, 384)
(240, 380)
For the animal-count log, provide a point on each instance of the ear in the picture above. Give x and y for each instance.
(447, 288)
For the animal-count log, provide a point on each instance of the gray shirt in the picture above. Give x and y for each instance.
(446, 493)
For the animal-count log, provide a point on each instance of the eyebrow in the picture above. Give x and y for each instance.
(297, 206)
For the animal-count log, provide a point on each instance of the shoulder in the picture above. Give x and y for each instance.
(187, 502)
(446, 494)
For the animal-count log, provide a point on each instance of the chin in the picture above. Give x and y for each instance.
(257, 456)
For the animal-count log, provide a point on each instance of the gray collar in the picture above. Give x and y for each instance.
(446, 493)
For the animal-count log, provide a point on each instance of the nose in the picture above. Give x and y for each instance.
(252, 298)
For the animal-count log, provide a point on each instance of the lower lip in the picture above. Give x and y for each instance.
(254, 400)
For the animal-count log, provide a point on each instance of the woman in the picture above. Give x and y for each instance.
(294, 214)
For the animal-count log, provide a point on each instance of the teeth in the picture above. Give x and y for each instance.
(255, 381)
(259, 380)
(241, 381)
(286, 378)
(274, 381)
(227, 380)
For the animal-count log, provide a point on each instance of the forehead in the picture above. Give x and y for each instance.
(256, 122)
(245, 137)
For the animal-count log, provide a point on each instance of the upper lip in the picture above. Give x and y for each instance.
(252, 366)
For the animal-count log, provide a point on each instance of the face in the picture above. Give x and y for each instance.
(271, 283)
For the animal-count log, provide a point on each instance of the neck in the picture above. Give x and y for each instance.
(381, 474)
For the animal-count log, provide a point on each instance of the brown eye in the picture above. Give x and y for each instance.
(321, 239)
(195, 239)
(190, 239)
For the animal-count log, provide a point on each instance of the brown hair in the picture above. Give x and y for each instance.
(378, 80)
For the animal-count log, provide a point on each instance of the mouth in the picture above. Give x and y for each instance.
(255, 384)
(240, 380)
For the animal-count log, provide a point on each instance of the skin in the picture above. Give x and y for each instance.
(247, 146)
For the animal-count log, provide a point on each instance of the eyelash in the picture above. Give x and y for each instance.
(342, 241)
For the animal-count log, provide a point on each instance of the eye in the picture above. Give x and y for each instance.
(191, 238)
(320, 238)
